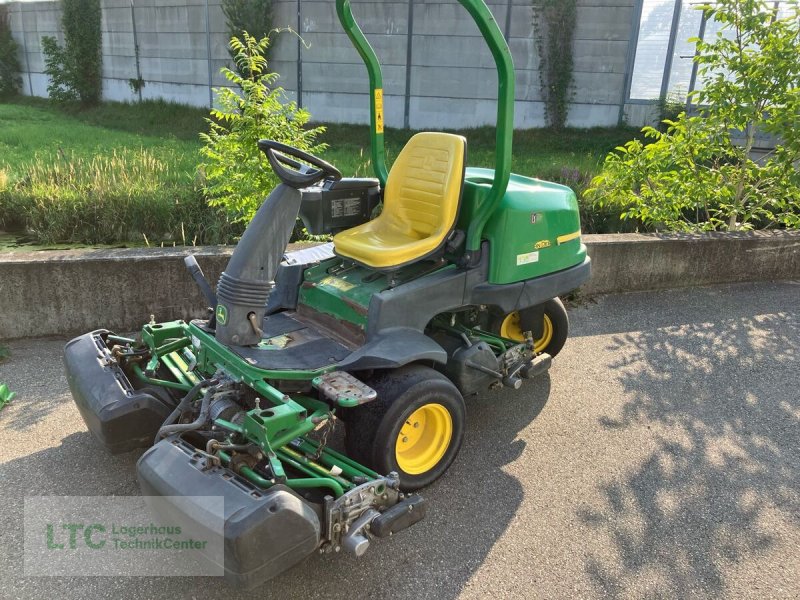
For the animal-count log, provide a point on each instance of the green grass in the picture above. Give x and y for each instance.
(144, 182)
(538, 153)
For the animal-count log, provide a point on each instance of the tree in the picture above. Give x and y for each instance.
(9, 63)
(237, 174)
(75, 70)
(699, 173)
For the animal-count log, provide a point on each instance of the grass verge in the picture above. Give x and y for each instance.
(128, 172)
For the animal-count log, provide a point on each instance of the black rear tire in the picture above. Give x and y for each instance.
(376, 431)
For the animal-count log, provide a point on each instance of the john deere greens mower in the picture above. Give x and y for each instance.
(453, 289)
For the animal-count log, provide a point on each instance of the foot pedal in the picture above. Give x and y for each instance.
(540, 364)
(344, 389)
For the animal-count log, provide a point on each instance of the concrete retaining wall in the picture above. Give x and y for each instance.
(450, 80)
(62, 293)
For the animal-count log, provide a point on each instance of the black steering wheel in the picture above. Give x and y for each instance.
(292, 172)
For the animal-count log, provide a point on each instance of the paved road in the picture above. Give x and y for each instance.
(659, 458)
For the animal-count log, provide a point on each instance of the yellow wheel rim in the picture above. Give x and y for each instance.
(424, 439)
(511, 329)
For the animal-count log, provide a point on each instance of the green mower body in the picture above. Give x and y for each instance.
(244, 404)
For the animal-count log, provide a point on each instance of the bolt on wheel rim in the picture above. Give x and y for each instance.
(512, 330)
(424, 439)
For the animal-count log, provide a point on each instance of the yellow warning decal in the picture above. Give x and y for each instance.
(339, 284)
(379, 110)
(563, 239)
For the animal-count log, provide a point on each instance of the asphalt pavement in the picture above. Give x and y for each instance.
(659, 458)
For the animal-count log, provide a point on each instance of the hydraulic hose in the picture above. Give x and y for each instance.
(168, 427)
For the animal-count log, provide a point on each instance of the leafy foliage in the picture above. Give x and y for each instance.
(254, 16)
(699, 173)
(237, 174)
(554, 25)
(9, 63)
(6, 395)
(75, 69)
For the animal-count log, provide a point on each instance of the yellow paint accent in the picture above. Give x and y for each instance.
(541, 244)
(563, 239)
(424, 439)
(512, 330)
(379, 111)
(339, 284)
(419, 206)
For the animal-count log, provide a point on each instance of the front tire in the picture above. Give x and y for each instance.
(415, 426)
(554, 329)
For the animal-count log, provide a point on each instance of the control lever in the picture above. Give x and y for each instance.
(197, 274)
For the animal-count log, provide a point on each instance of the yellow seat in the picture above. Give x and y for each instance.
(420, 205)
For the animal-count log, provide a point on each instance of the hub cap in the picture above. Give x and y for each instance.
(424, 439)
(512, 330)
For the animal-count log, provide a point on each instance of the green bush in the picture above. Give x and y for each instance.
(698, 174)
(126, 196)
(254, 16)
(237, 175)
(9, 62)
(554, 24)
(75, 70)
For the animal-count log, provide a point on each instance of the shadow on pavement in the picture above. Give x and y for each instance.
(723, 390)
(469, 508)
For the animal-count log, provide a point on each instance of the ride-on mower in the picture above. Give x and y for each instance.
(451, 290)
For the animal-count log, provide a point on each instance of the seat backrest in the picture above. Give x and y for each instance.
(423, 190)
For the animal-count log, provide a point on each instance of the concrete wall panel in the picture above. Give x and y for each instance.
(453, 79)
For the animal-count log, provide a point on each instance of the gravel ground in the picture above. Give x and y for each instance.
(660, 457)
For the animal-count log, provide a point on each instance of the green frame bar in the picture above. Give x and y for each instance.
(493, 37)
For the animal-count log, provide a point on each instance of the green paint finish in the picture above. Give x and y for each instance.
(376, 113)
(532, 232)
(344, 296)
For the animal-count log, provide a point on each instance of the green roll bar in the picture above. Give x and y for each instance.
(505, 105)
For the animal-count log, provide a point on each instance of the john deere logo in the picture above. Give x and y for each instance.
(222, 314)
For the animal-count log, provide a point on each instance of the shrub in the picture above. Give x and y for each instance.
(254, 16)
(237, 174)
(127, 196)
(698, 174)
(75, 69)
(554, 24)
(9, 62)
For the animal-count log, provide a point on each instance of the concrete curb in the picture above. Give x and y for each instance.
(67, 292)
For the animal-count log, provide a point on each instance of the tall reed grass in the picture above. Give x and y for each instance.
(127, 195)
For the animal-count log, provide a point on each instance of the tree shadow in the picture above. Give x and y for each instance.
(34, 373)
(469, 509)
(721, 393)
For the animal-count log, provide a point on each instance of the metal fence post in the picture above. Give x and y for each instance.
(208, 56)
(673, 36)
(25, 51)
(509, 7)
(409, 60)
(693, 78)
(299, 54)
(630, 60)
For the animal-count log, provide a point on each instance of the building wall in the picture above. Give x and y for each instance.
(451, 75)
